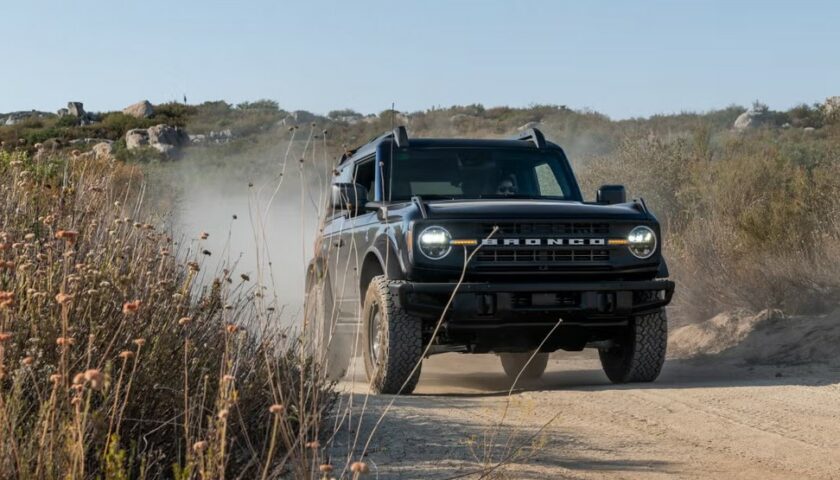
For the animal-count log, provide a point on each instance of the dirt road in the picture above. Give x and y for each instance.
(697, 421)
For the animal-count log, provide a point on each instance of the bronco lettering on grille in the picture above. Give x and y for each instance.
(544, 241)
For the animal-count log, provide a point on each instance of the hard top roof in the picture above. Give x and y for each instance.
(531, 139)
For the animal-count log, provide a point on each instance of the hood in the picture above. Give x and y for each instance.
(517, 208)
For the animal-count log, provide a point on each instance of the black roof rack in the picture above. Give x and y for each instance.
(533, 135)
(399, 134)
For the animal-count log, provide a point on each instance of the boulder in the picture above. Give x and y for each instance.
(136, 138)
(103, 151)
(166, 138)
(142, 109)
(76, 109)
(222, 136)
(831, 107)
(756, 116)
(63, 112)
(14, 118)
(88, 141)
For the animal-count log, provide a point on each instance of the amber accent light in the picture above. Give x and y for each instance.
(464, 242)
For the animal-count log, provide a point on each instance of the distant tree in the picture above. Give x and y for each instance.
(263, 105)
(759, 107)
(343, 114)
(805, 115)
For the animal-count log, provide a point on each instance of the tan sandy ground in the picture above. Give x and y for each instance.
(700, 420)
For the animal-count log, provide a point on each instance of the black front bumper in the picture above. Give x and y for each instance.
(493, 305)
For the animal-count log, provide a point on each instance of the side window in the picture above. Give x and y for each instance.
(365, 175)
(548, 181)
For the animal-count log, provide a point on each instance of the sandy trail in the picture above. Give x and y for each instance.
(698, 421)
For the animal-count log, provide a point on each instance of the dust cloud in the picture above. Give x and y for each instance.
(260, 209)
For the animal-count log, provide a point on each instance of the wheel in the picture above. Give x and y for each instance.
(321, 339)
(513, 363)
(638, 354)
(393, 341)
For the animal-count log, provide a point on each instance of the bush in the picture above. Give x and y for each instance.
(115, 362)
(750, 220)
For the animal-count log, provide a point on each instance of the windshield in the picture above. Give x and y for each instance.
(472, 173)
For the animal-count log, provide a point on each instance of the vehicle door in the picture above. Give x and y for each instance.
(355, 237)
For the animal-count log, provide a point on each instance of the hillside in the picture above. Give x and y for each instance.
(749, 198)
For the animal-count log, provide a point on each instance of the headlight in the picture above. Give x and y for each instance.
(434, 243)
(641, 242)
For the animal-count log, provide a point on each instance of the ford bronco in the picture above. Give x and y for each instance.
(482, 246)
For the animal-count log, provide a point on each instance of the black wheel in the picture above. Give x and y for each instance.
(393, 341)
(638, 354)
(513, 363)
(321, 339)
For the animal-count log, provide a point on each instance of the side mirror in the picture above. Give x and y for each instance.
(380, 209)
(349, 196)
(611, 194)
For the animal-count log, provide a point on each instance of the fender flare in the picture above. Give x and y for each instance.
(384, 248)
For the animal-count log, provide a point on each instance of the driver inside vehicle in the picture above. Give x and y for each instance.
(507, 186)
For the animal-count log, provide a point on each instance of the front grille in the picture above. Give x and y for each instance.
(496, 255)
(545, 228)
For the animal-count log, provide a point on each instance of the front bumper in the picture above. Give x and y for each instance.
(492, 305)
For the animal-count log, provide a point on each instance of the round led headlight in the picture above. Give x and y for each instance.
(641, 242)
(434, 243)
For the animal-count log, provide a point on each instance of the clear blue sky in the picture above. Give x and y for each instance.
(619, 57)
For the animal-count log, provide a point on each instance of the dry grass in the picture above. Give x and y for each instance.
(751, 221)
(115, 361)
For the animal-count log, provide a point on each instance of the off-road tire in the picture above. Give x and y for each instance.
(400, 342)
(513, 363)
(638, 354)
(321, 339)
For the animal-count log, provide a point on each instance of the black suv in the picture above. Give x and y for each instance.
(502, 225)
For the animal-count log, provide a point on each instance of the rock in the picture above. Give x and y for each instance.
(136, 138)
(63, 112)
(221, 134)
(167, 139)
(198, 139)
(302, 116)
(76, 109)
(103, 151)
(13, 118)
(88, 141)
(808, 129)
(756, 116)
(142, 109)
(831, 107)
